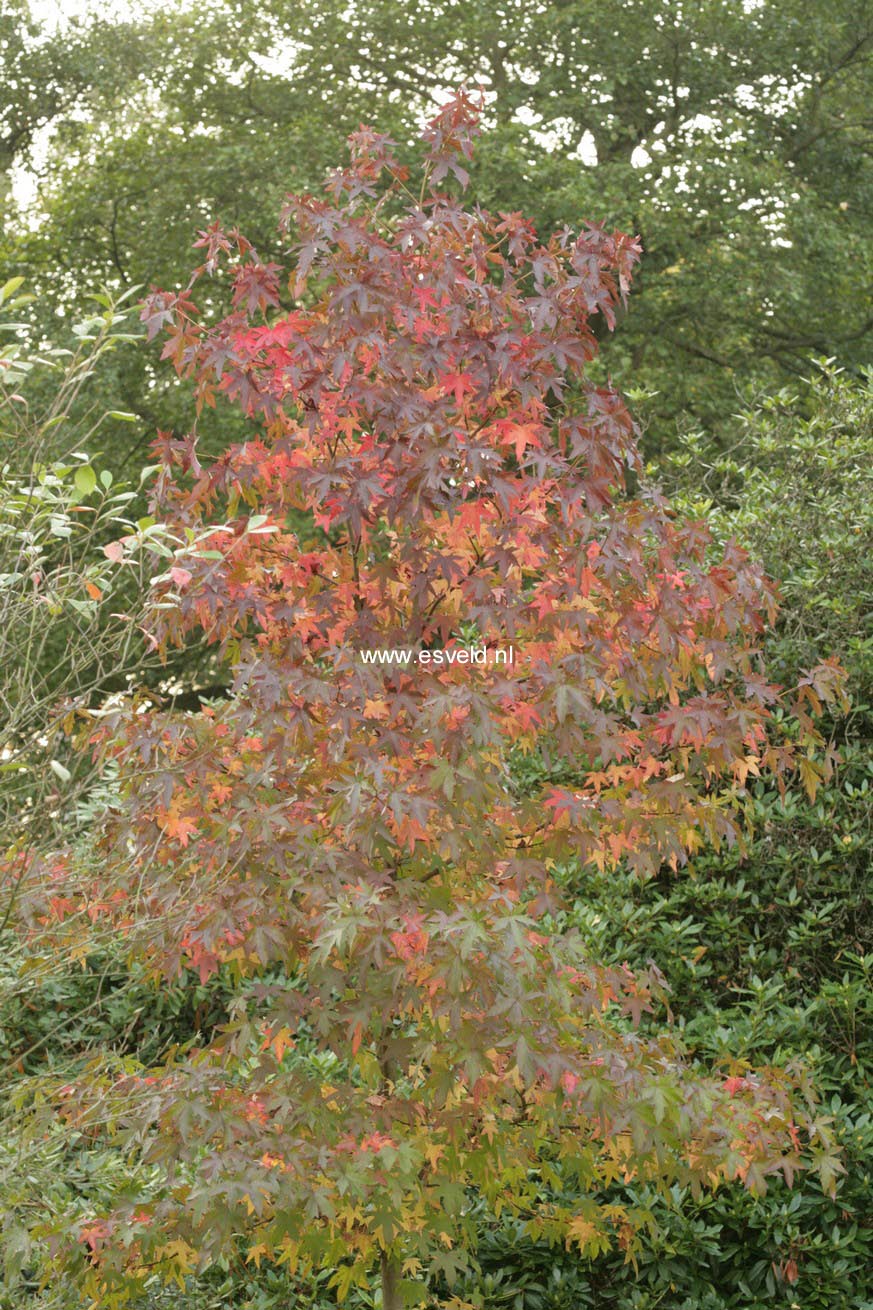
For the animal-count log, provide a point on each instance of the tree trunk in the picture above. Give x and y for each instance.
(391, 1299)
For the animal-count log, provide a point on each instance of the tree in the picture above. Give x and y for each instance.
(348, 834)
(51, 77)
(734, 138)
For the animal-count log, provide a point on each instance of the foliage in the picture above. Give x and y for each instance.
(734, 138)
(63, 643)
(797, 489)
(768, 957)
(767, 952)
(349, 841)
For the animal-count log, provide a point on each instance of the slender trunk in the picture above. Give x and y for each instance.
(391, 1299)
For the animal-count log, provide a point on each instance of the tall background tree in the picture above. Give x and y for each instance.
(734, 138)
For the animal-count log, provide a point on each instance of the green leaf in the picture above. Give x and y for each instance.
(9, 288)
(85, 479)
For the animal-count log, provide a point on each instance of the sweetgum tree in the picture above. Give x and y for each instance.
(428, 468)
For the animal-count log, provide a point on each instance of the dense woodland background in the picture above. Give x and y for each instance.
(737, 141)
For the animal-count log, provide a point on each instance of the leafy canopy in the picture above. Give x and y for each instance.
(734, 137)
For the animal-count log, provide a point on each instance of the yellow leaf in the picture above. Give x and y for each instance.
(376, 709)
(810, 776)
(583, 1232)
(290, 1251)
(433, 1152)
(279, 1042)
(180, 1253)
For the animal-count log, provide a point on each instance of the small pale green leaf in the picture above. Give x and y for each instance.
(85, 479)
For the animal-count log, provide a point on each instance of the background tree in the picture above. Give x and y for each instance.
(734, 138)
(349, 838)
(53, 78)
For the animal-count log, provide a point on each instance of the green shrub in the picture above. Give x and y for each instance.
(796, 489)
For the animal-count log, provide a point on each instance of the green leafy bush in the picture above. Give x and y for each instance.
(65, 640)
(796, 488)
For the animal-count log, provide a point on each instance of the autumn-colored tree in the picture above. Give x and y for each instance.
(350, 834)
